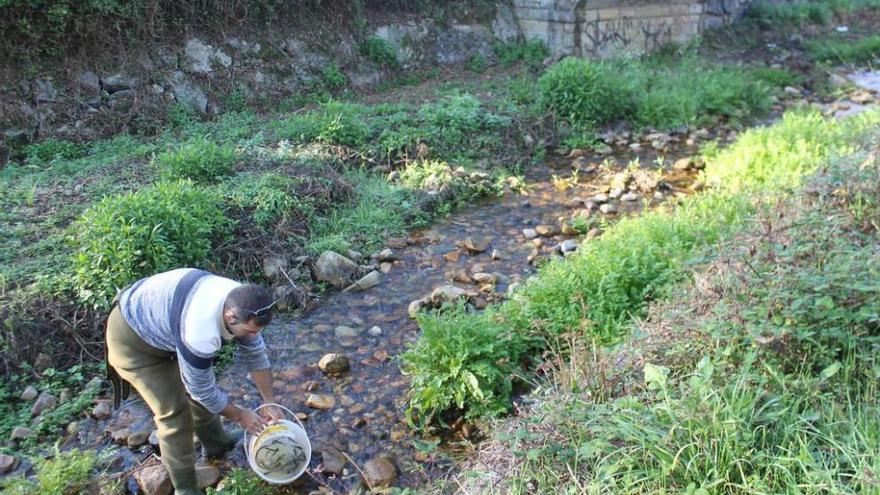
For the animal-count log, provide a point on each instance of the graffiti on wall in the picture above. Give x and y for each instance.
(598, 37)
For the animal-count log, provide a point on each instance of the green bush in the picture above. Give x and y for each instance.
(455, 124)
(334, 122)
(200, 160)
(462, 363)
(66, 472)
(532, 53)
(584, 94)
(380, 52)
(269, 198)
(333, 78)
(241, 482)
(126, 237)
(773, 15)
(51, 149)
(477, 63)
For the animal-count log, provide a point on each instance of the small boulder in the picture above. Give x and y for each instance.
(137, 438)
(379, 473)
(7, 464)
(335, 269)
(118, 82)
(154, 480)
(629, 197)
(369, 280)
(120, 436)
(546, 230)
(476, 245)
(345, 332)
(386, 255)
(207, 475)
(608, 208)
(43, 362)
(333, 363)
(375, 331)
(275, 267)
(332, 461)
(530, 233)
(102, 410)
(416, 306)
(20, 433)
(29, 394)
(568, 246)
(320, 401)
(44, 402)
(449, 294)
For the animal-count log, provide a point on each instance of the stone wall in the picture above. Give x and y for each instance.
(602, 28)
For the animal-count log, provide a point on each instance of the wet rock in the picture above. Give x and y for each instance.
(594, 232)
(207, 475)
(599, 198)
(153, 439)
(29, 394)
(20, 432)
(567, 229)
(375, 331)
(603, 149)
(118, 82)
(333, 363)
(332, 461)
(575, 203)
(682, 164)
(44, 402)
(379, 473)
(452, 256)
(629, 197)
(546, 230)
(485, 278)
(608, 208)
(369, 280)
(615, 193)
(450, 294)
(530, 233)
(102, 410)
(385, 267)
(138, 438)
(497, 255)
(320, 401)
(416, 306)
(462, 276)
(72, 428)
(477, 245)
(335, 269)
(568, 246)
(7, 464)
(153, 480)
(386, 255)
(120, 436)
(345, 332)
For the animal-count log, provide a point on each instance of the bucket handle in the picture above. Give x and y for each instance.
(279, 406)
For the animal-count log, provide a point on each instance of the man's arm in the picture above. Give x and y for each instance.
(252, 355)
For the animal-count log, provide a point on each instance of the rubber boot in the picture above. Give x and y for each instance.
(216, 440)
(185, 482)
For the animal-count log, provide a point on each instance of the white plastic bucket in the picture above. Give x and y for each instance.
(280, 436)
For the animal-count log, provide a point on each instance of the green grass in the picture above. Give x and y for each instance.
(594, 295)
(836, 51)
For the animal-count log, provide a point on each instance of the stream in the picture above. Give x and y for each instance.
(363, 414)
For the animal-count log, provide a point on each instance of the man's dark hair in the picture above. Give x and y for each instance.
(250, 302)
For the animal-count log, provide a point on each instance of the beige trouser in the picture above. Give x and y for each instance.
(156, 377)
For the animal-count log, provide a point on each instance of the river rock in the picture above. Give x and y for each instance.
(546, 230)
(120, 436)
(629, 197)
(29, 394)
(20, 432)
(332, 461)
(188, 93)
(477, 245)
(102, 410)
(345, 332)
(72, 428)
(118, 82)
(568, 246)
(530, 233)
(682, 164)
(320, 401)
(450, 294)
(138, 438)
(44, 402)
(335, 269)
(485, 278)
(386, 255)
(369, 280)
(594, 232)
(7, 464)
(379, 473)
(608, 208)
(599, 198)
(207, 475)
(416, 306)
(333, 363)
(274, 268)
(575, 203)
(375, 331)
(153, 480)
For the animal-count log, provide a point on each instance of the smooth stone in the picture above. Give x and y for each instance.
(416, 306)
(546, 230)
(344, 332)
(333, 363)
(332, 461)
(497, 255)
(7, 463)
(20, 433)
(477, 245)
(120, 436)
(386, 254)
(29, 394)
(102, 410)
(44, 402)
(207, 475)
(153, 480)
(369, 280)
(599, 198)
(138, 438)
(335, 269)
(568, 246)
(374, 331)
(530, 233)
(484, 278)
(629, 197)
(379, 473)
(608, 208)
(594, 232)
(320, 401)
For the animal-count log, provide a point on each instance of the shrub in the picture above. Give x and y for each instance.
(332, 77)
(126, 237)
(453, 125)
(463, 363)
(200, 160)
(270, 198)
(477, 63)
(532, 53)
(241, 482)
(584, 94)
(51, 149)
(380, 52)
(773, 15)
(334, 123)
(66, 472)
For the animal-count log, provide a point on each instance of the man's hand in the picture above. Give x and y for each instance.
(252, 422)
(272, 413)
